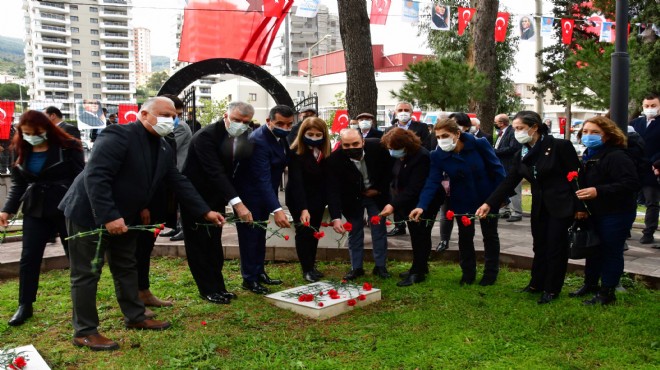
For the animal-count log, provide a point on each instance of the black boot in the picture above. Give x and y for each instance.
(584, 290)
(23, 313)
(604, 296)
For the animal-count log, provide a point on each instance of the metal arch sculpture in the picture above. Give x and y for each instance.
(193, 72)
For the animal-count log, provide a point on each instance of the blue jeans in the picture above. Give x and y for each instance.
(607, 264)
(356, 236)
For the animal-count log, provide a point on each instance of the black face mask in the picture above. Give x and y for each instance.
(354, 153)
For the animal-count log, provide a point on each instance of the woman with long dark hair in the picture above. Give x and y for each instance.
(305, 190)
(47, 161)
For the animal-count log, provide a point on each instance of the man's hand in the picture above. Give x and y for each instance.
(214, 218)
(116, 227)
(242, 212)
(281, 220)
(387, 210)
(483, 211)
(145, 216)
(337, 226)
(415, 214)
(304, 216)
(4, 216)
(581, 215)
(370, 193)
(587, 193)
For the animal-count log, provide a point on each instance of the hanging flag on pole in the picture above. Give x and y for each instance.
(567, 30)
(6, 118)
(501, 24)
(379, 11)
(127, 113)
(410, 13)
(341, 120)
(464, 17)
(307, 8)
(546, 26)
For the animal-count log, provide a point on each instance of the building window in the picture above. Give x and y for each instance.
(93, 9)
(96, 86)
(77, 84)
(300, 94)
(77, 96)
(229, 97)
(74, 18)
(95, 42)
(95, 53)
(76, 62)
(73, 7)
(75, 41)
(93, 20)
(96, 74)
(75, 30)
(76, 52)
(97, 96)
(96, 64)
(252, 97)
(94, 32)
(77, 74)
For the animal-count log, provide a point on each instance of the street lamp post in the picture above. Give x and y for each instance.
(620, 68)
(309, 62)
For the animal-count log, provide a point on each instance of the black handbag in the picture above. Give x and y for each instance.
(583, 241)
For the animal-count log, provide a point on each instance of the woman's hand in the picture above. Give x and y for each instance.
(483, 211)
(586, 193)
(415, 214)
(387, 210)
(4, 216)
(337, 226)
(304, 217)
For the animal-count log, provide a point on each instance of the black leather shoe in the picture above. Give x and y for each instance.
(405, 274)
(310, 277)
(442, 246)
(647, 239)
(397, 231)
(529, 289)
(547, 298)
(467, 280)
(23, 313)
(177, 237)
(354, 274)
(265, 279)
(218, 298)
(411, 279)
(381, 272)
(487, 280)
(505, 215)
(584, 290)
(514, 219)
(170, 233)
(604, 297)
(318, 273)
(255, 287)
(229, 295)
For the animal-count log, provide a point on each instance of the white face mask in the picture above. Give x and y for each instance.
(365, 125)
(354, 126)
(473, 130)
(403, 117)
(523, 136)
(164, 126)
(650, 112)
(236, 129)
(35, 139)
(447, 144)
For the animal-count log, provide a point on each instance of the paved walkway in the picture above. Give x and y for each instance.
(643, 261)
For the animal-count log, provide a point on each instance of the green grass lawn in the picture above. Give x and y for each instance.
(435, 324)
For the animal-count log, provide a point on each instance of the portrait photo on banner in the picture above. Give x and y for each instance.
(90, 114)
(526, 27)
(440, 17)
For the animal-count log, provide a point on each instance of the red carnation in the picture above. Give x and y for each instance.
(322, 233)
(375, 220)
(348, 226)
(466, 221)
(334, 296)
(20, 362)
(320, 304)
(317, 235)
(366, 287)
(12, 367)
(156, 232)
(362, 297)
(450, 215)
(388, 222)
(344, 281)
(572, 175)
(203, 323)
(306, 223)
(351, 302)
(301, 298)
(310, 297)
(286, 237)
(320, 294)
(161, 226)
(332, 292)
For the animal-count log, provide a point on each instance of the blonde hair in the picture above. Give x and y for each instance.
(306, 125)
(615, 137)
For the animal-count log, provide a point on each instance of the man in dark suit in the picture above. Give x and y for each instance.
(213, 157)
(55, 116)
(304, 113)
(366, 124)
(506, 147)
(648, 127)
(127, 165)
(476, 131)
(257, 181)
(359, 175)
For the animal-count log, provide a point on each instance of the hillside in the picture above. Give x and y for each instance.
(11, 56)
(159, 63)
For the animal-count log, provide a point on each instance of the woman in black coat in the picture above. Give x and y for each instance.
(545, 162)
(409, 172)
(608, 185)
(305, 190)
(47, 161)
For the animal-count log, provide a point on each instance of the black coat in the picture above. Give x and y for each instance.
(40, 194)
(69, 129)
(345, 184)
(509, 146)
(422, 131)
(481, 134)
(374, 133)
(651, 135)
(211, 163)
(305, 188)
(119, 180)
(547, 173)
(408, 184)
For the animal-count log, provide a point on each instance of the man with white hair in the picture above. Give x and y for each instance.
(476, 130)
(128, 162)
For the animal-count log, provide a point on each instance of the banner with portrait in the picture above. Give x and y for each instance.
(526, 30)
(89, 114)
(440, 17)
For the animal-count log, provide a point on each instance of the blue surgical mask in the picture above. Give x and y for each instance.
(312, 142)
(592, 141)
(398, 153)
(176, 121)
(281, 133)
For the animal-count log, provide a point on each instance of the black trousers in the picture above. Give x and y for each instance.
(550, 247)
(420, 238)
(306, 243)
(144, 246)
(446, 226)
(204, 253)
(467, 255)
(36, 232)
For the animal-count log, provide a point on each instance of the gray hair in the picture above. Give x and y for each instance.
(404, 102)
(243, 108)
(348, 131)
(149, 103)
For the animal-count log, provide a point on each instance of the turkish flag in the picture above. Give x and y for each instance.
(273, 8)
(464, 17)
(341, 120)
(416, 115)
(127, 113)
(562, 125)
(567, 30)
(6, 118)
(379, 11)
(235, 29)
(501, 24)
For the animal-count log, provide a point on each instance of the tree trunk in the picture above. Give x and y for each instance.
(485, 60)
(361, 90)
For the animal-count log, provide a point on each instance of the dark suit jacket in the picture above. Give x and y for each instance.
(41, 193)
(258, 176)
(345, 183)
(422, 131)
(211, 163)
(406, 187)
(480, 134)
(651, 136)
(118, 181)
(305, 188)
(509, 146)
(69, 129)
(546, 173)
(374, 133)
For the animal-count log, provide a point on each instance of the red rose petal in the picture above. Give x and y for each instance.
(351, 302)
(320, 304)
(362, 297)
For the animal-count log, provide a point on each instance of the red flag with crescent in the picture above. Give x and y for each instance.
(127, 113)
(501, 24)
(341, 120)
(567, 30)
(464, 17)
(6, 118)
(379, 11)
(236, 29)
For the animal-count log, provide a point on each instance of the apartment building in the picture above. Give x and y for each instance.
(142, 47)
(80, 49)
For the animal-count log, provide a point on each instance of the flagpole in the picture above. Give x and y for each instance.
(620, 69)
(539, 47)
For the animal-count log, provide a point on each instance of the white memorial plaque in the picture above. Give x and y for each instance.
(33, 359)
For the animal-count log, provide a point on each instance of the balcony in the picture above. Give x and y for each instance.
(47, 29)
(55, 7)
(110, 25)
(114, 67)
(52, 18)
(113, 14)
(116, 88)
(113, 57)
(115, 2)
(53, 52)
(57, 75)
(56, 86)
(57, 98)
(123, 46)
(123, 36)
(55, 41)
